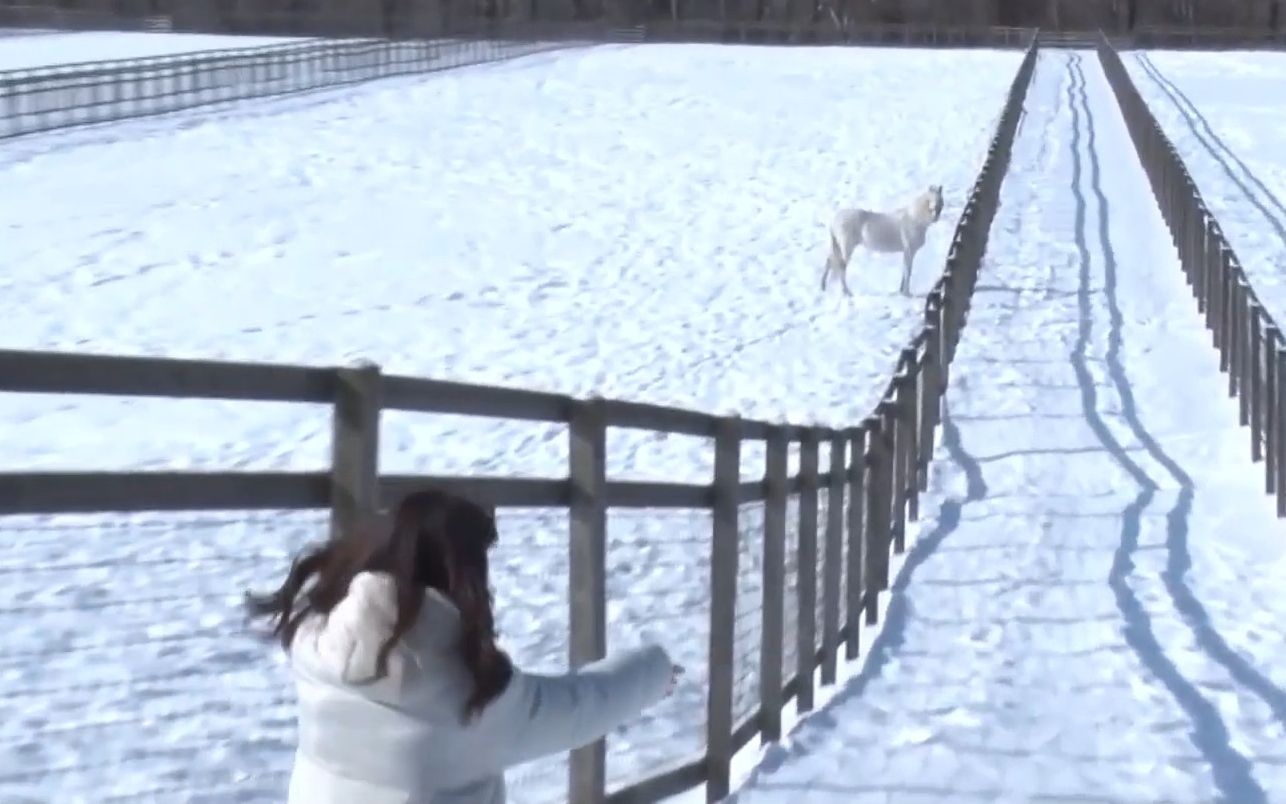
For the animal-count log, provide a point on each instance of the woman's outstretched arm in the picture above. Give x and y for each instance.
(553, 714)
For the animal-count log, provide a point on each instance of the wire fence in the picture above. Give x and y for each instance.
(51, 98)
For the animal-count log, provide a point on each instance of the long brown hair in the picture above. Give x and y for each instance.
(437, 540)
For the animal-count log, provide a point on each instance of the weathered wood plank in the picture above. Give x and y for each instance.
(724, 555)
(355, 439)
(114, 375)
(501, 492)
(107, 492)
(436, 396)
(587, 577)
(772, 629)
(643, 494)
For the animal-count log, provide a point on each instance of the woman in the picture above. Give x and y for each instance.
(404, 695)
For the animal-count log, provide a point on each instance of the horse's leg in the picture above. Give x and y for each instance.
(836, 261)
(907, 257)
(844, 255)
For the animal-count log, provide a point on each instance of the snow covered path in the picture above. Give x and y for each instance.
(1092, 610)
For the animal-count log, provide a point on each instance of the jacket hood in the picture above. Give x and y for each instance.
(344, 645)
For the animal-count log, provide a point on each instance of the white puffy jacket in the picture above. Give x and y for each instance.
(401, 740)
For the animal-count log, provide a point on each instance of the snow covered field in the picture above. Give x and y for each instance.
(638, 222)
(1093, 608)
(1224, 114)
(52, 49)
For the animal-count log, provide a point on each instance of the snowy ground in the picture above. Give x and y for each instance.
(1223, 114)
(1092, 611)
(52, 49)
(640, 222)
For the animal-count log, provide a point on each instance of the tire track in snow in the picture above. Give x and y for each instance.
(1232, 772)
(1214, 144)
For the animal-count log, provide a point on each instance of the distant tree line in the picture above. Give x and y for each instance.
(418, 17)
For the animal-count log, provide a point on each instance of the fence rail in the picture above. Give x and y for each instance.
(1251, 348)
(879, 465)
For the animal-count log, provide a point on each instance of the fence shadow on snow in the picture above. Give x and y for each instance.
(795, 562)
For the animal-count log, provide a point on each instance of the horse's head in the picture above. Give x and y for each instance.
(933, 200)
(927, 207)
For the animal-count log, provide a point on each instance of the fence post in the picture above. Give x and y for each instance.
(1235, 340)
(1198, 254)
(1213, 297)
(1228, 326)
(833, 561)
(930, 399)
(1272, 337)
(877, 506)
(806, 634)
(587, 576)
(724, 551)
(772, 652)
(355, 437)
(1242, 365)
(1281, 434)
(1195, 234)
(909, 405)
(944, 328)
(856, 544)
(1256, 384)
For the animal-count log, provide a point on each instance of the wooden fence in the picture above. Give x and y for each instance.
(879, 464)
(1251, 348)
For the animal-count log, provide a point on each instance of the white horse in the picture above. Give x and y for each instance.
(887, 232)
